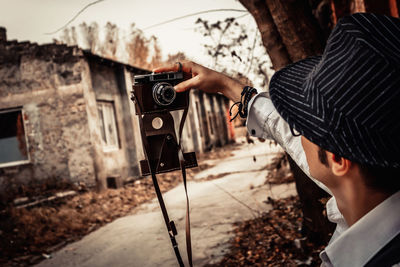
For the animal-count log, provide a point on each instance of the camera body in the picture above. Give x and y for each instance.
(154, 98)
(155, 93)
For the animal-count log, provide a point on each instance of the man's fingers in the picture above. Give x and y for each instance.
(188, 84)
(173, 67)
(186, 67)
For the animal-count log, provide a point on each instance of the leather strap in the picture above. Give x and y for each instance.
(170, 224)
(182, 163)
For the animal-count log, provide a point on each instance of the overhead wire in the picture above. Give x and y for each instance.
(195, 14)
(151, 26)
(76, 15)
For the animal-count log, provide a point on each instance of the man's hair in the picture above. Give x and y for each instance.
(383, 179)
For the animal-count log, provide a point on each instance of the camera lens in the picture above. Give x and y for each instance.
(168, 94)
(163, 94)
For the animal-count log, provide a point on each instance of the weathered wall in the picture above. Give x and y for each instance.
(46, 82)
(136, 146)
(58, 89)
(109, 84)
(193, 122)
(211, 121)
(204, 122)
(207, 121)
(131, 121)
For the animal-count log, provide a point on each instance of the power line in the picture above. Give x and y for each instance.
(77, 14)
(154, 25)
(195, 14)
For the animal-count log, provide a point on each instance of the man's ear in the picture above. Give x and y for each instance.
(339, 165)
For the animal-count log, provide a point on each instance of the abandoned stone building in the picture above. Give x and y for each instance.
(66, 114)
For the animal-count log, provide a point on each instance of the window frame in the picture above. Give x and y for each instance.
(106, 146)
(18, 162)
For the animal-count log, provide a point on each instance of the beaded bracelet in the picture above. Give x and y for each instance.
(243, 103)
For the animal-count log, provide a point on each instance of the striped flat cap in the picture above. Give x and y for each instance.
(347, 101)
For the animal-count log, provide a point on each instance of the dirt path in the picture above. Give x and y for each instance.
(141, 239)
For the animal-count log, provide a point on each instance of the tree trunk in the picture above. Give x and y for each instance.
(269, 33)
(357, 6)
(297, 27)
(290, 33)
(398, 7)
(385, 7)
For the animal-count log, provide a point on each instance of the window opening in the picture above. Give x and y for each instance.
(13, 146)
(111, 183)
(108, 125)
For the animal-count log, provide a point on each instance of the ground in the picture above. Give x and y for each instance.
(273, 239)
(219, 194)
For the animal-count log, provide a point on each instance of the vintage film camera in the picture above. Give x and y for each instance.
(154, 98)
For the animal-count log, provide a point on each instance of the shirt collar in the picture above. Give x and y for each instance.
(360, 242)
(334, 216)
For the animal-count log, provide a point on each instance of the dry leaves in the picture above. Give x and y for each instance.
(274, 239)
(279, 170)
(27, 235)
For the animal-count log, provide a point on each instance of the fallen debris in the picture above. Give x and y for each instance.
(279, 170)
(25, 202)
(274, 239)
(34, 226)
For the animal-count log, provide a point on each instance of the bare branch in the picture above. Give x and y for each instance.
(251, 54)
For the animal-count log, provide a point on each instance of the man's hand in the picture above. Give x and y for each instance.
(205, 79)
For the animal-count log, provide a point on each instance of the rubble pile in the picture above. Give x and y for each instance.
(273, 239)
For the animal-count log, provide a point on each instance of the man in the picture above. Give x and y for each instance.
(344, 105)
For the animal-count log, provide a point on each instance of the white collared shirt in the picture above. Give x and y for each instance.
(264, 121)
(360, 242)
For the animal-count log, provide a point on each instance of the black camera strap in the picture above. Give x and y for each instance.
(170, 224)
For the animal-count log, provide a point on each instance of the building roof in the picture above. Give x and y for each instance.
(111, 62)
(11, 50)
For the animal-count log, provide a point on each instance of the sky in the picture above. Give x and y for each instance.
(32, 19)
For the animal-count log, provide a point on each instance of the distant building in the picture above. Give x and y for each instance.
(66, 114)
